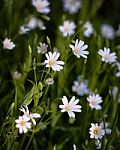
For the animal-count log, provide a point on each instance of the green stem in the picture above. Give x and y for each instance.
(16, 94)
(29, 141)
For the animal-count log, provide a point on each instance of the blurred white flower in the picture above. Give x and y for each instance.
(71, 106)
(107, 56)
(74, 147)
(98, 144)
(23, 124)
(79, 49)
(23, 29)
(40, 24)
(16, 75)
(42, 48)
(52, 61)
(114, 91)
(49, 81)
(72, 6)
(96, 131)
(89, 29)
(80, 86)
(106, 127)
(34, 23)
(95, 101)
(8, 44)
(68, 28)
(26, 112)
(118, 69)
(107, 31)
(41, 6)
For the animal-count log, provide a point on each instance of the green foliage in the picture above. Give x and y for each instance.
(55, 130)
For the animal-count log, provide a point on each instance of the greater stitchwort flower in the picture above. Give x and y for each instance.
(26, 112)
(118, 69)
(49, 81)
(71, 106)
(42, 48)
(23, 29)
(8, 44)
(80, 86)
(16, 75)
(79, 49)
(23, 124)
(34, 23)
(52, 61)
(68, 28)
(95, 101)
(96, 131)
(107, 31)
(106, 126)
(72, 6)
(88, 29)
(107, 56)
(41, 6)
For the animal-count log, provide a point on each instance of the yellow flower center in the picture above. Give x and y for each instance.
(93, 102)
(67, 108)
(66, 28)
(51, 62)
(96, 131)
(22, 123)
(77, 50)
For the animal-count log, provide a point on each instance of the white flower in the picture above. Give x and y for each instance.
(67, 28)
(114, 91)
(49, 81)
(118, 68)
(16, 75)
(107, 31)
(7, 44)
(23, 29)
(34, 23)
(94, 101)
(106, 126)
(41, 6)
(79, 49)
(80, 87)
(52, 61)
(74, 147)
(40, 24)
(89, 29)
(96, 131)
(107, 56)
(42, 48)
(26, 112)
(23, 124)
(70, 107)
(72, 6)
(98, 144)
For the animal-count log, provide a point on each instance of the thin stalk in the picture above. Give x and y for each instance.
(29, 141)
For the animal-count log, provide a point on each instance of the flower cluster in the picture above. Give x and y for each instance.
(23, 122)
